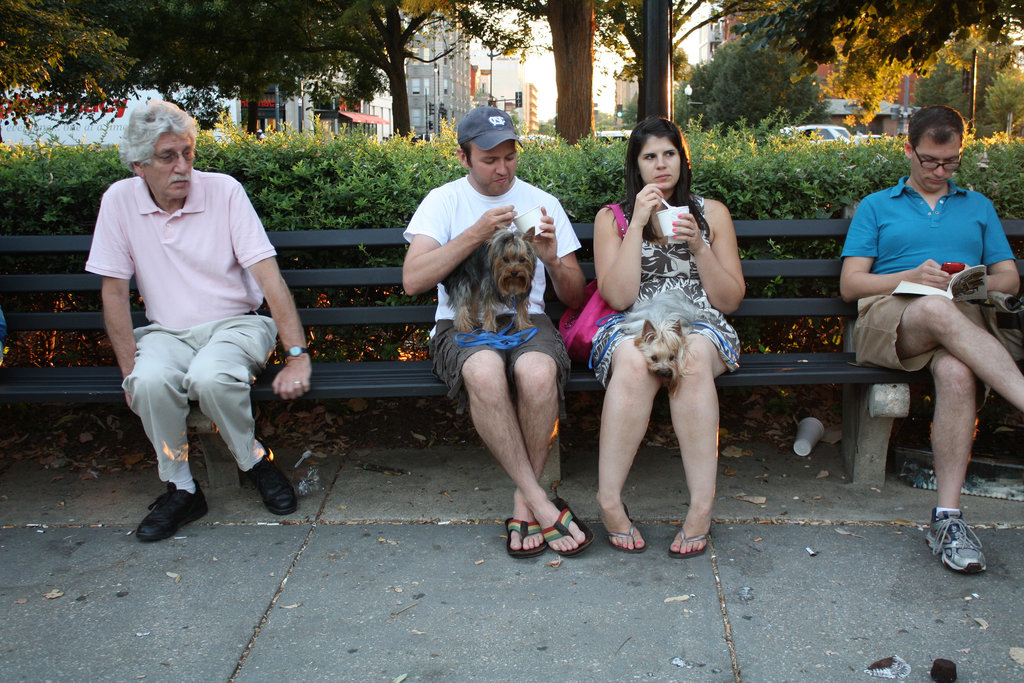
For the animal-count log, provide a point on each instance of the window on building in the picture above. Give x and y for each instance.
(415, 86)
(416, 117)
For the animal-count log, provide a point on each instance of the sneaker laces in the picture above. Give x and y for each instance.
(960, 535)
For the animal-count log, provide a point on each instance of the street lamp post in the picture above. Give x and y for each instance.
(437, 118)
(688, 90)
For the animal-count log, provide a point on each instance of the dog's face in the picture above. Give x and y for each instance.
(513, 262)
(663, 346)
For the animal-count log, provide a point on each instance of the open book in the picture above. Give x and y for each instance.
(970, 284)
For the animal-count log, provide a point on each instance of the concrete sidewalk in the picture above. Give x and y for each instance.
(396, 567)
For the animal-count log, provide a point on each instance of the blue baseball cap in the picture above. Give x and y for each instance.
(487, 127)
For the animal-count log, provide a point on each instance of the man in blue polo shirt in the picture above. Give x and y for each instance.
(905, 233)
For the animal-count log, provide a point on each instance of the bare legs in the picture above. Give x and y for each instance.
(519, 436)
(627, 410)
(933, 321)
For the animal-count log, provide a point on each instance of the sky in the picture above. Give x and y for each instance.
(540, 70)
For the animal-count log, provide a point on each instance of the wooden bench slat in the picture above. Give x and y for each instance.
(379, 379)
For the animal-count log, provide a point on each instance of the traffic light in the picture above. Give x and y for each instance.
(442, 110)
(519, 99)
(618, 111)
(430, 109)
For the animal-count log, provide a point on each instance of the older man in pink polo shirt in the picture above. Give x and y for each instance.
(203, 265)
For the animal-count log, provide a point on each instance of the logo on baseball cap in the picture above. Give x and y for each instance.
(487, 127)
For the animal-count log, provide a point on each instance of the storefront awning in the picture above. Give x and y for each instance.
(356, 117)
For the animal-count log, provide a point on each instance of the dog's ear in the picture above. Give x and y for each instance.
(677, 327)
(530, 235)
(649, 332)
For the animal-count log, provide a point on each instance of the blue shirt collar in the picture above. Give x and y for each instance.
(902, 187)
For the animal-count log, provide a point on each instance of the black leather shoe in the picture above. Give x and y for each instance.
(275, 489)
(171, 510)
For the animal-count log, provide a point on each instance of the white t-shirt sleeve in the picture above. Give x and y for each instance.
(433, 218)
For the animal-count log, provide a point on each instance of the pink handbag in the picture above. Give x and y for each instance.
(579, 325)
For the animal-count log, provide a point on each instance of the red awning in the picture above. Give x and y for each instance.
(356, 117)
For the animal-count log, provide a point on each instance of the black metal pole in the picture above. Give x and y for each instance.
(656, 84)
(974, 86)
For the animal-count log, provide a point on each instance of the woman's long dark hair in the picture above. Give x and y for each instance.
(656, 127)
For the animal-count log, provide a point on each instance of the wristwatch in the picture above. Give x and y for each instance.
(295, 352)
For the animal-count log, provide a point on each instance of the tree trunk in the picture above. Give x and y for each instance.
(396, 80)
(253, 117)
(572, 39)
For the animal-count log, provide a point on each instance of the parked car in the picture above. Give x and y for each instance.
(820, 132)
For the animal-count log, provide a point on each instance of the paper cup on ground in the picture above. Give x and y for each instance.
(530, 219)
(666, 217)
(808, 431)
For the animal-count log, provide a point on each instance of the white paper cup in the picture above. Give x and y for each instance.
(530, 219)
(666, 217)
(808, 431)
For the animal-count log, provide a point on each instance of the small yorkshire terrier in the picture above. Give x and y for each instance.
(660, 326)
(499, 273)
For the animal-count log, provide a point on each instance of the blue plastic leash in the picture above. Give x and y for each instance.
(731, 353)
(610, 319)
(497, 340)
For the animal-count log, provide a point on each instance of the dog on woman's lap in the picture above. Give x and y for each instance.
(661, 326)
(497, 274)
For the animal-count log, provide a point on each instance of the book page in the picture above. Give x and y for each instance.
(969, 284)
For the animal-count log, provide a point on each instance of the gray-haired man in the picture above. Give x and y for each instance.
(203, 265)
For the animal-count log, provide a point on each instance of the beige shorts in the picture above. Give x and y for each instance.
(874, 337)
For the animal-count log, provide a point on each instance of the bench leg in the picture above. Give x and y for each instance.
(868, 412)
(221, 468)
(553, 467)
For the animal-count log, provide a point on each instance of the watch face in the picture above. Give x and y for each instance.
(296, 351)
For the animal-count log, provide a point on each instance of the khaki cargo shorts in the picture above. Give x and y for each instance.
(874, 336)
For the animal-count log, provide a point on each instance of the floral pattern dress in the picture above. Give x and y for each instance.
(664, 267)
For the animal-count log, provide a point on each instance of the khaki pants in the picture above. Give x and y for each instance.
(215, 364)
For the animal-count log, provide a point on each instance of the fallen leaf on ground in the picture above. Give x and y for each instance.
(1017, 655)
(55, 593)
(729, 473)
(21, 601)
(418, 437)
(176, 577)
(85, 437)
(357, 404)
(735, 452)
(982, 623)
(844, 532)
(555, 564)
(479, 562)
(678, 598)
(822, 474)
(298, 604)
(756, 500)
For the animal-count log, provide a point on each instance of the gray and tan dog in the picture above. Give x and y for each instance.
(498, 273)
(661, 326)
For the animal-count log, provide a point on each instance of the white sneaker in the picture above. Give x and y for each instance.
(960, 548)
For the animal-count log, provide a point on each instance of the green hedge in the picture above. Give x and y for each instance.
(300, 182)
(320, 181)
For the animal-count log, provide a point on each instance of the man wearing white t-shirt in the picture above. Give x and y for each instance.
(203, 265)
(514, 395)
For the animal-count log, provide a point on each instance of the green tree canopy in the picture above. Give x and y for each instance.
(747, 82)
(54, 53)
(870, 42)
